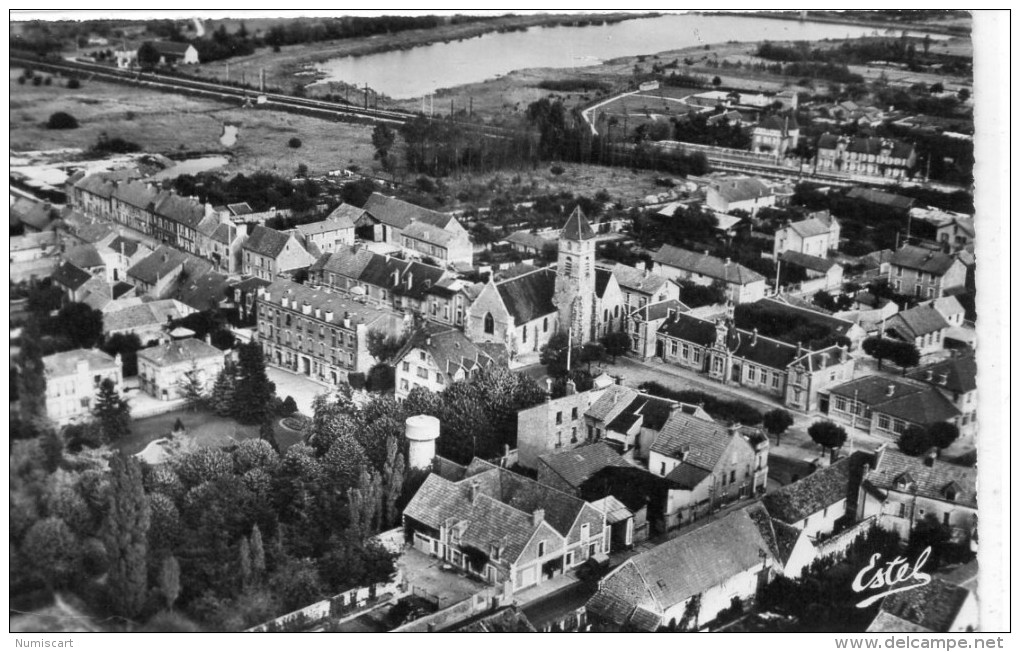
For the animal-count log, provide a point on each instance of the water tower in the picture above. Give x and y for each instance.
(421, 431)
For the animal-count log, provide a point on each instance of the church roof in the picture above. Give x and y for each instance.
(577, 227)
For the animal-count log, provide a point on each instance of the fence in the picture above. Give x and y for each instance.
(349, 603)
(488, 598)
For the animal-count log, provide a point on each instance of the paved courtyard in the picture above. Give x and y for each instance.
(302, 388)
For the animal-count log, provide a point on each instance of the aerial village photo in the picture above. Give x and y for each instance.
(433, 322)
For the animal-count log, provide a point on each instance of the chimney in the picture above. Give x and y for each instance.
(728, 261)
(428, 340)
(834, 456)
(619, 379)
(929, 458)
(571, 388)
(472, 491)
(208, 339)
(843, 353)
(706, 252)
(800, 349)
(928, 374)
(754, 337)
(824, 360)
(537, 516)
(890, 390)
(409, 280)
(943, 378)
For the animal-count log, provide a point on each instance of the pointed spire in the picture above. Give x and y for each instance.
(577, 227)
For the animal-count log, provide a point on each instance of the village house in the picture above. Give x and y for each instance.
(331, 234)
(746, 194)
(210, 291)
(33, 216)
(776, 134)
(956, 379)
(86, 257)
(73, 379)
(802, 310)
(71, 279)
(316, 333)
(742, 285)
(923, 326)
(448, 300)
(132, 204)
(817, 235)
(876, 157)
(950, 309)
(164, 369)
(924, 273)
(157, 274)
(385, 218)
(731, 557)
(268, 253)
(886, 406)
(532, 244)
(423, 240)
(710, 463)
(436, 356)
(172, 52)
(221, 244)
(901, 490)
(820, 274)
(936, 607)
(640, 287)
(93, 196)
(631, 420)
(644, 323)
(502, 527)
(148, 320)
(567, 469)
(121, 254)
(956, 234)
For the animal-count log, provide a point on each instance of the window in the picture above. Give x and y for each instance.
(672, 347)
(541, 548)
(762, 376)
(685, 351)
(839, 402)
(545, 324)
(573, 435)
(423, 373)
(559, 418)
(573, 414)
(406, 366)
(945, 518)
(590, 432)
(883, 421)
(733, 477)
(662, 469)
(403, 383)
(439, 378)
(697, 356)
(524, 334)
(489, 324)
(775, 381)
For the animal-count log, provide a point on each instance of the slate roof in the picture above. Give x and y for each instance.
(923, 260)
(776, 123)
(325, 226)
(346, 215)
(960, 374)
(602, 277)
(124, 246)
(70, 276)
(137, 194)
(652, 411)
(33, 213)
(400, 214)
(806, 261)
(692, 563)
(157, 265)
(96, 293)
(696, 442)
(266, 242)
(203, 291)
(326, 301)
(240, 208)
(577, 465)
(97, 184)
(928, 481)
(706, 265)
(659, 310)
(916, 322)
(529, 296)
(407, 279)
(225, 233)
(640, 281)
(742, 189)
(66, 363)
(762, 350)
(910, 400)
(179, 351)
(449, 347)
(823, 488)
(143, 315)
(932, 607)
(84, 256)
(840, 326)
(881, 198)
(689, 329)
(577, 227)
(428, 233)
(529, 239)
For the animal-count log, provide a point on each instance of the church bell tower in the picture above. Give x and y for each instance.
(575, 278)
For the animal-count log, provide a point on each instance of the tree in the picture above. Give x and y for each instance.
(876, 347)
(827, 434)
(258, 554)
(31, 379)
(383, 346)
(383, 138)
(936, 88)
(52, 551)
(253, 393)
(914, 440)
(170, 580)
(616, 343)
(592, 352)
(192, 388)
(903, 355)
(112, 412)
(244, 562)
(943, 433)
(288, 407)
(963, 94)
(296, 584)
(295, 143)
(717, 81)
(148, 55)
(62, 120)
(776, 422)
(80, 324)
(222, 396)
(126, 345)
(127, 528)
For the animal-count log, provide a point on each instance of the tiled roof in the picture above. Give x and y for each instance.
(204, 292)
(400, 214)
(178, 351)
(807, 261)
(240, 208)
(823, 488)
(529, 239)
(327, 225)
(331, 302)
(689, 329)
(71, 276)
(611, 402)
(577, 465)
(31, 241)
(144, 315)
(33, 213)
(706, 265)
(947, 305)
(659, 310)
(692, 563)
(698, 443)
(916, 322)
(960, 373)
(932, 607)
(812, 226)
(225, 233)
(346, 215)
(615, 511)
(265, 241)
(93, 232)
(620, 597)
(813, 314)
(449, 347)
(158, 264)
(84, 256)
(124, 246)
(577, 227)
(428, 233)
(66, 363)
(348, 262)
(251, 283)
(509, 620)
(881, 198)
(885, 622)
(910, 400)
(97, 184)
(137, 194)
(96, 293)
(529, 296)
(602, 277)
(931, 478)
(641, 281)
(921, 259)
(742, 189)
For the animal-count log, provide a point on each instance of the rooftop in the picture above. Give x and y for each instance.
(265, 241)
(823, 488)
(741, 189)
(579, 464)
(900, 398)
(706, 265)
(923, 476)
(178, 351)
(916, 322)
(922, 259)
(529, 296)
(577, 227)
(66, 363)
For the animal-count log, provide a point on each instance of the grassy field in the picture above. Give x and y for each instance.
(204, 428)
(174, 124)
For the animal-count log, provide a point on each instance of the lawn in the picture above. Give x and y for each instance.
(205, 428)
(168, 124)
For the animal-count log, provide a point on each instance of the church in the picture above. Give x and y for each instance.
(525, 311)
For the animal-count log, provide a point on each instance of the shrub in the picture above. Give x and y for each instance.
(557, 170)
(73, 84)
(288, 407)
(294, 142)
(736, 411)
(827, 434)
(37, 81)
(48, 81)
(61, 120)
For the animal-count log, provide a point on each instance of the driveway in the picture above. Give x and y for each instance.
(301, 388)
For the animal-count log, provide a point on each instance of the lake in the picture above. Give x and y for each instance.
(405, 74)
